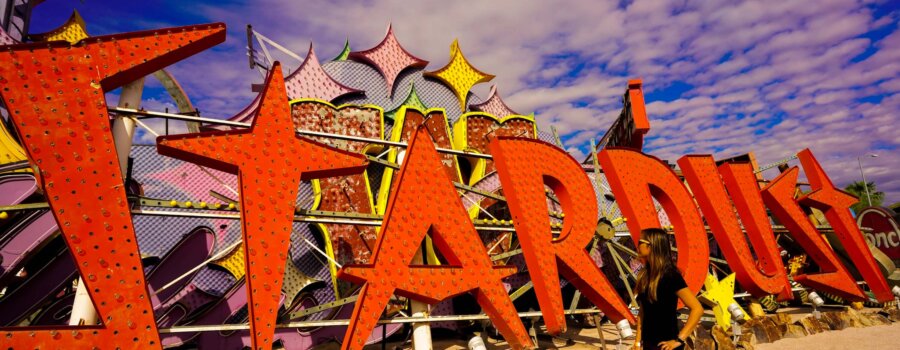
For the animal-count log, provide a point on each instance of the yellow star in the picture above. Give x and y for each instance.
(233, 262)
(721, 294)
(72, 31)
(459, 75)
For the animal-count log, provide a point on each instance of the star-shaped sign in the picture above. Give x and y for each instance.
(494, 105)
(345, 52)
(270, 161)
(425, 201)
(389, 58)
(459, 75)
(311, 81)
(412, 100)
(721, 294)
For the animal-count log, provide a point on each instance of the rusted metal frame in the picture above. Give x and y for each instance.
(775, 164)
(119, 111)
(471, 201)
(505, 255)
(27, 206)
(250, 51)
(603, 208)
(389, 143)
(521, 291)
(335, 323)
(386, 163)
(619, 258)
(480, 224)
(297, 218)
(491, 250)
(336, 214)
(122, 112)
(553, 198)
(276, 45)
(797, 289)
(556, 137)
(711, 259)
(263, 69)
(222, 197)
(163, 203)
(323, 307)
(625, 117)
(480, 192)
(618, 261)
(622, 247)
(265, 49)
(616, 124)
(224, 252)
(22, 164)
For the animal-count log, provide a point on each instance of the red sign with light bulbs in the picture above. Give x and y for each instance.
(55, 95)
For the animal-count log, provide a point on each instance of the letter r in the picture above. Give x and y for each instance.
(525, 166)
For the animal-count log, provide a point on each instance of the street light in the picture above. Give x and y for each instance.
(865, 184)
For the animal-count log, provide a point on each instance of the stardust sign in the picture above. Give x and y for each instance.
(55, 95)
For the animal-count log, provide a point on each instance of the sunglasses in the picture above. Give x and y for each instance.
(643, 241)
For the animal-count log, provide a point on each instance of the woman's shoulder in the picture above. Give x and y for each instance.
(674, 276)
(672, 270)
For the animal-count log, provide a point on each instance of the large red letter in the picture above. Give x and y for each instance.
(54, 93)
(270, 160)
(423, 199)
(636, 179)
(701, 174)
(836, 205)
(779, 198)
(523, 187)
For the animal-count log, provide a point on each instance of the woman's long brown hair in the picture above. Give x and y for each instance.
(658, 262)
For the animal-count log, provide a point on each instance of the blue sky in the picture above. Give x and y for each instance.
(721, 77)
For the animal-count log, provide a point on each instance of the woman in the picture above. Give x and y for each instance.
(659, 286)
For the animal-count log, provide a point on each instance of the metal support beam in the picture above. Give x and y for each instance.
(149, 114)
(334, 323)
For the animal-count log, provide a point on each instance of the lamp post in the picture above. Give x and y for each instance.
(865, 184)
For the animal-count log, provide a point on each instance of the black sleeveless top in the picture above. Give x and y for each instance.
(660, 322)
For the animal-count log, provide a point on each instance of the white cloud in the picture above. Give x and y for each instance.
(769, 76)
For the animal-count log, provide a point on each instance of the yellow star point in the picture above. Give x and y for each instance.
(233, 262)
(459, 75)
(721, 293)
(72, 31)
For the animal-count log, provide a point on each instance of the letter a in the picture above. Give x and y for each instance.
(525, 166)
(424, 199)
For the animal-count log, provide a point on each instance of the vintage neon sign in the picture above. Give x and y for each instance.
(55, 95)
(886, 232)
(269, 181)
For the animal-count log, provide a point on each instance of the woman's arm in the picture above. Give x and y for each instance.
(637, 336)
(690, 300)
